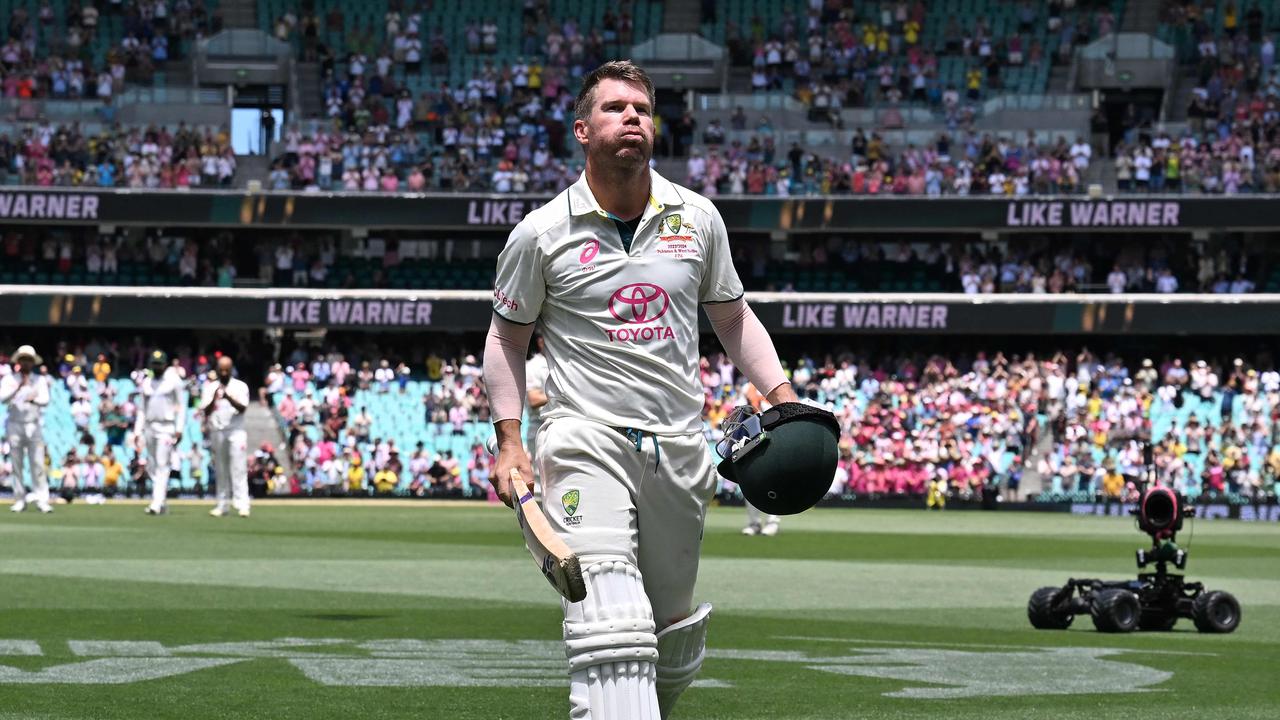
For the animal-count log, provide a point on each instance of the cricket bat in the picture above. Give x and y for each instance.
(552, 556)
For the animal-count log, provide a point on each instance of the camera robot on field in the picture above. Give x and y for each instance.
(26, 392)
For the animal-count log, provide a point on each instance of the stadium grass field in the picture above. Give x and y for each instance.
(310, 610)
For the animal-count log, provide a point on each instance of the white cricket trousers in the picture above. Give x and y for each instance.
(26, 447)
(161, 438)
(640, 499)
(231, 465)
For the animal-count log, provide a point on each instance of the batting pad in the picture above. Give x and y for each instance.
(610, 643)
(681, 650)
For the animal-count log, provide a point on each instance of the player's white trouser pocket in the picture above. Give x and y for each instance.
(613, 498)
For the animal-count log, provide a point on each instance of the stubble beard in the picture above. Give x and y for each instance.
(612, 162)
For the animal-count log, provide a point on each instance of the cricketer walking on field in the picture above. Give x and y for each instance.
(615, 269)
(161, 419)
(26, 392)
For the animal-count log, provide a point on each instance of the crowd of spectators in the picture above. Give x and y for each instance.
(44, 56)
(499, 152)
(1028, 266)
(973, 164)
(339, 451)
(503, 129)
(959, 423)
(848, 55)
(964, 424)
(211, 259)
(154, 157)
(1069, 272)
(1230, 144)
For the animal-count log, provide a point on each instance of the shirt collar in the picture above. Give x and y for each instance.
(662, 195)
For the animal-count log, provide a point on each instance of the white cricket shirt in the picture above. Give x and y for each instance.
(223, 416)
(536, 373)
(620, 326)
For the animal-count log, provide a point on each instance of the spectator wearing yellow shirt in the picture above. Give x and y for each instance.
(535, 76)
(1094, 406)
(112, 470)
(1112, 485)
(385, 481)
(101, 369)
(911, 29)
(869, 36)
(973, 83)
(355, 475)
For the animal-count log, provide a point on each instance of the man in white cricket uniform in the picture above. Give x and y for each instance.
(768, 527)
(26, 392)
(223, 402)
(615, 268)
(161, 419)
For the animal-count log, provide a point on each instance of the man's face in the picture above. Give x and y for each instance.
(620, 127)
(25, 364)
(224, 369)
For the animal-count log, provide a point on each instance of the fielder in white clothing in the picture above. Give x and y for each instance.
(26, 392)
(536, 373)
(223, 402)
(161, 419)
(615, 269)
(755, 526)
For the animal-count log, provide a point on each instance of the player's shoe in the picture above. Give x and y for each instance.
(218, 511)
(244, 513)
(751, 530)
(45, 507)
(18, 506)
(770, 529)
(153, 510)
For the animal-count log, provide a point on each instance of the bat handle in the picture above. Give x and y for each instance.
(518, 480)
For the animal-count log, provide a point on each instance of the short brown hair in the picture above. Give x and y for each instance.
(623, 70)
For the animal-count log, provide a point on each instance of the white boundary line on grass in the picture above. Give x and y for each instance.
(994, 646)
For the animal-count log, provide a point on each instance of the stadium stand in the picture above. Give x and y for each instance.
(379, 427)
(824, 263)
(44, 155)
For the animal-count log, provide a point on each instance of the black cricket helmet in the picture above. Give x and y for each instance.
(784, 458)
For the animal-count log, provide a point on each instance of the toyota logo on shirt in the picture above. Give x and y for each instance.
(639, 303)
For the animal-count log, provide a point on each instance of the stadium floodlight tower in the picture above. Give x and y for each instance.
(1155, 600)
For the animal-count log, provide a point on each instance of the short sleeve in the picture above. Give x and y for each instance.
(720, 282)
(519, 288)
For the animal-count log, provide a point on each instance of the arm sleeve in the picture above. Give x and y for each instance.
(720, 282)
(519, 288)
(747, 343)
(504, 380)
